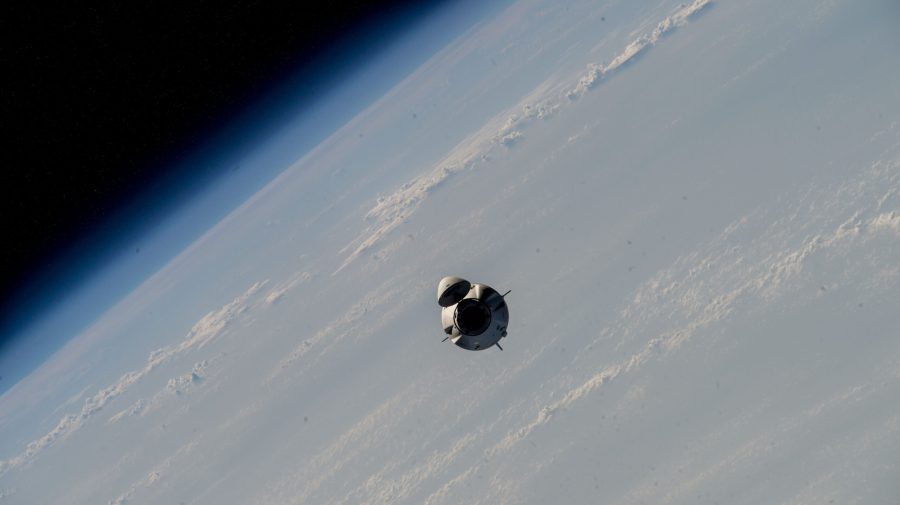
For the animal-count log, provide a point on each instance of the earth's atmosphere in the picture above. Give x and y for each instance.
(695, 205)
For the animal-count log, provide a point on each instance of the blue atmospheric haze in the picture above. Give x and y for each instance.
(249, 152)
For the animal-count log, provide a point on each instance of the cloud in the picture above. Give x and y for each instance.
(502, 131)
(204, 331)
(155, 475)
(886, 222)
(278, 292)
(176, 386)
(384, 299)
(596, 72)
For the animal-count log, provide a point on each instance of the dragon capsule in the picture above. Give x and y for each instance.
(474, 316)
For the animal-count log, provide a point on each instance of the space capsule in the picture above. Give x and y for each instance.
(474, 316)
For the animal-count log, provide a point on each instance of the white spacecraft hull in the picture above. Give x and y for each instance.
(475, 316)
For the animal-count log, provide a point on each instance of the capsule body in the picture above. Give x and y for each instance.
(474, 316)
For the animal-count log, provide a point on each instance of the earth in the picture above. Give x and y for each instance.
(696, 207)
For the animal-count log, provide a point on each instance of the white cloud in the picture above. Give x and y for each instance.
(205, 330)
(595, 72)
(503, 130)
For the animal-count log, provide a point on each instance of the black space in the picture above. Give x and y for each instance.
(98, 100)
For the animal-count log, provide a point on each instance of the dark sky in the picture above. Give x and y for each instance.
(100, 101)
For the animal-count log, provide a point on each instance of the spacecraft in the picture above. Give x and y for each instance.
(474, 316)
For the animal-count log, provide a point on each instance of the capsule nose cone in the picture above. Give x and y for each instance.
(451, 290)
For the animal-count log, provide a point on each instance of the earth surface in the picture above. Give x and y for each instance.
(696, 207)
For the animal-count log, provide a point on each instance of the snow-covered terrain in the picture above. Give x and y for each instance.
(696, 207)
